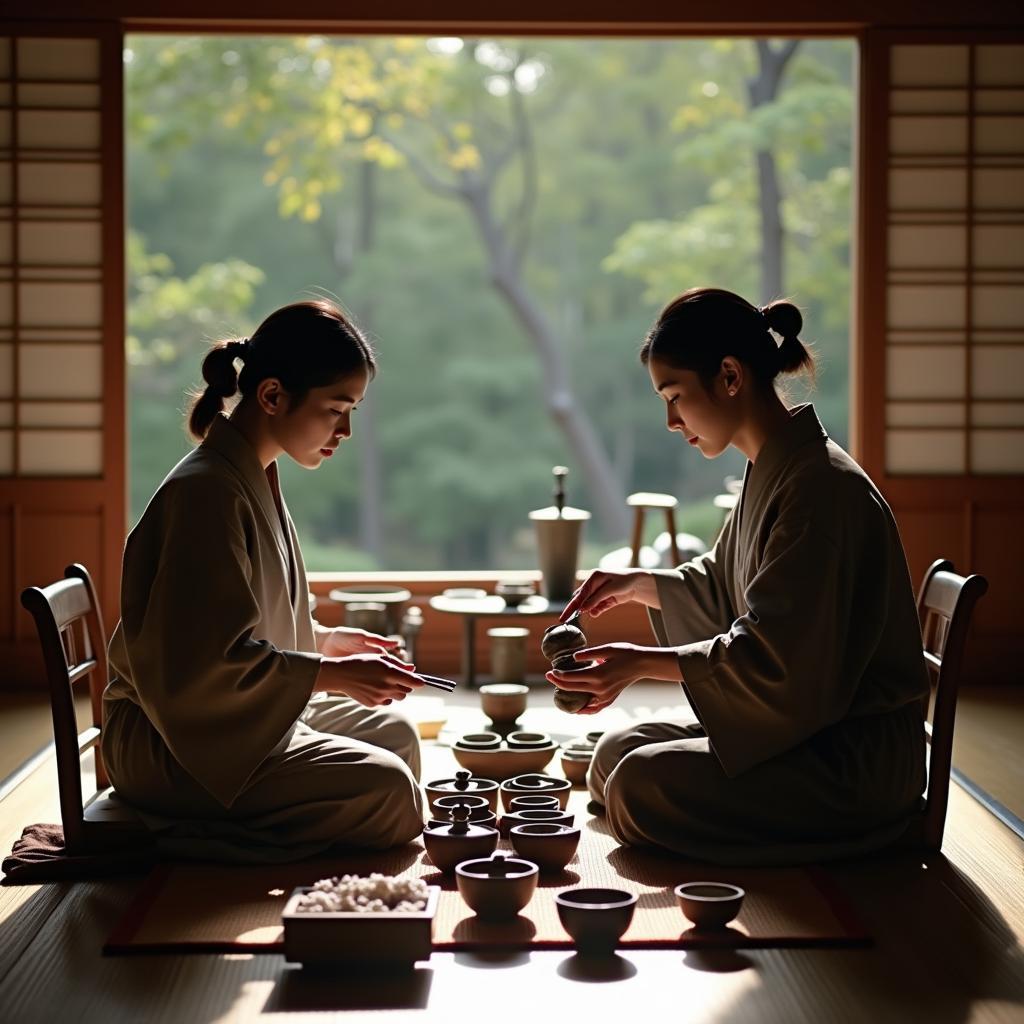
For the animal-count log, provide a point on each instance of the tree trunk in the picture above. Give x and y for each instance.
(606, 492)
(763, 90)
(371, 488)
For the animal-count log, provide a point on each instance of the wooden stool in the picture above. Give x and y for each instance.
(641, 502)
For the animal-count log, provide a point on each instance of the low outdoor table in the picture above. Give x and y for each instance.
(491, 606)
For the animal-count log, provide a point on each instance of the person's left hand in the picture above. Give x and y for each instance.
(345, 640)
(618, 665)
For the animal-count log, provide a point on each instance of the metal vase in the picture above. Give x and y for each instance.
(558, 540)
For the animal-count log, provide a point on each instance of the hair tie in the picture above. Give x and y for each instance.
(241, 347)
(763, 310)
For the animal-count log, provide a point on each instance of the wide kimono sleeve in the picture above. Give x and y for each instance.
(694, 598)
(791, 663)
(221, 696)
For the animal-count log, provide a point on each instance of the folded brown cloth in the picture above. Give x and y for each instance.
(40, 856)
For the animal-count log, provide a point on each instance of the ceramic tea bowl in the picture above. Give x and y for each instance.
(709, 905)
(445, 811)
(479, 741)
(529, 817)
(535, 784)
(503, 703)
(514, 592)
(575, 764)
(549, 846)
(502, 762)
(595, 918)
(463, 785)
(534, 803)
(448, 845)
(498, 887)
(522, 740)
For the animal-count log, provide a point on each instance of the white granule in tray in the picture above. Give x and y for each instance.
(365, 895)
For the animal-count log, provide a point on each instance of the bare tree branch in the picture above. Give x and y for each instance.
(426, 176)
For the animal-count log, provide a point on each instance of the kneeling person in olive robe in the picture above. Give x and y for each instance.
(795, 639)
(238, 726)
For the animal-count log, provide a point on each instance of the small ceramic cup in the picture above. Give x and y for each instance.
(709, 905)
(535, 784)
(497, 888)
(595, 918)
(534, 803)
(549, 846)
(479, 741)
(447, 846)
(527, 740)
(552, 817)
(464, 784)
(514, 592)
(503, 702)
(575, 764)
(479, 809)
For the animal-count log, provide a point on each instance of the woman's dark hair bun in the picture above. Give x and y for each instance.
(786, 321)
(219, 370)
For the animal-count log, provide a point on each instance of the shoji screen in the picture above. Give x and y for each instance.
(941, 366)
(61, 317)
(955, 295)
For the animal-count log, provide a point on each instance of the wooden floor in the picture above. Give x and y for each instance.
(947, 949)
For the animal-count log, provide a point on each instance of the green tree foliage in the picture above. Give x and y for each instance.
(258, 149)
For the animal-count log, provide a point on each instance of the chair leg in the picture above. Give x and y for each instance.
(638, 535)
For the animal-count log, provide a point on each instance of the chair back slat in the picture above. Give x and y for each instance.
(73, 645)
(83, 668)
(87, 739)
(68, 601)
(945, 602)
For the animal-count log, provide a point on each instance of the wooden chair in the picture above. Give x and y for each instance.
(945, 602)
(74, 646)
(640, 503)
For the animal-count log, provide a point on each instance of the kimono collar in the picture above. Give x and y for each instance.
(230, 443)
(803, 427)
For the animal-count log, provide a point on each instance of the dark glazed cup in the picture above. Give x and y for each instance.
(503, 702)
(549, 846)
(528, 817)
(529, 802)
(447, 848)
(595, 918)
(527, 740)
(479, 741)
(497, 888)
(535, 784)
(575, 764)
(709, 905)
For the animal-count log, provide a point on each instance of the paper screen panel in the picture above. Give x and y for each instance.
(60, 452)
(955, 260)
(59, 184)
(58, 59)
(926, 451)
(997, 451)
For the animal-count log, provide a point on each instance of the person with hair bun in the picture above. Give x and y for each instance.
(241, 728)
(795, 639)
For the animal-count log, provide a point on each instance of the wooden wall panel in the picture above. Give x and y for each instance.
(49, 540)
(62, 446)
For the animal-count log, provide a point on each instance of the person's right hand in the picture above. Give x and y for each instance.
(603, 589)
(370, 679)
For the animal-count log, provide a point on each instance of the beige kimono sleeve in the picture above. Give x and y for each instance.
(791, 663)
(220, 695)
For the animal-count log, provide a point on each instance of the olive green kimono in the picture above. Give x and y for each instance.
(801, 658)
(210, 729)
